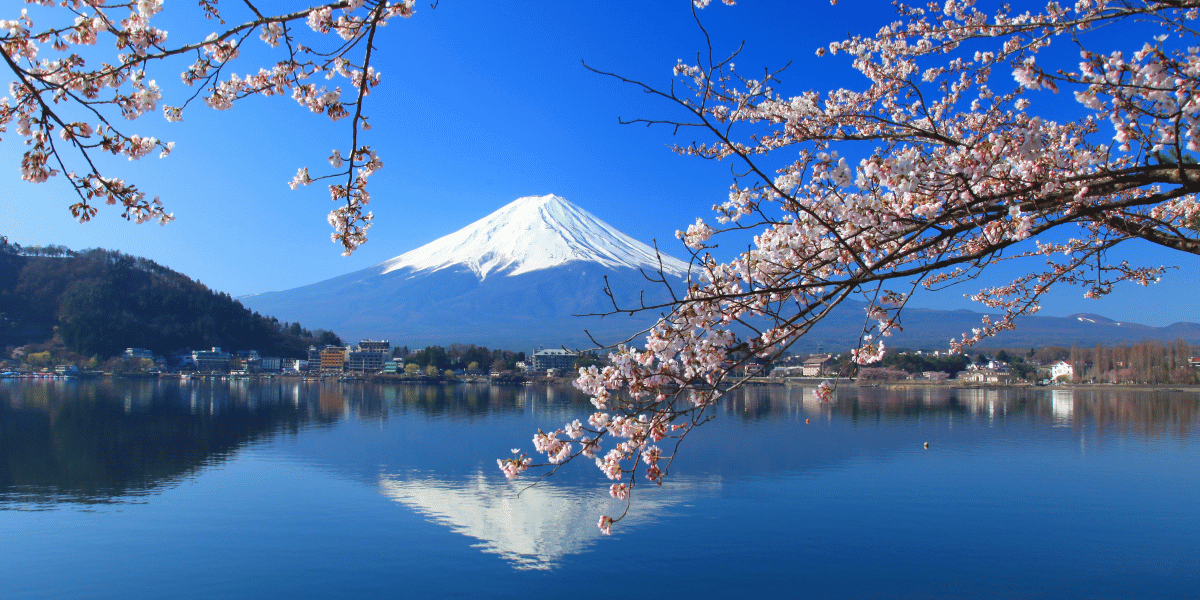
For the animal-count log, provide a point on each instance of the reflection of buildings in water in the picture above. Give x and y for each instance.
(331, 400)
(204, 399)
(139, 393)
(364, 401)
(1062, 406)
(812, 404)
(553, 403)
(929, 399)
(792, 402)
(764, 401)
(472, 398)
(971, 397)
(505, 396)
(938, 398)
(390, 397)
(536, 529)
(984, 401)
(32, 397)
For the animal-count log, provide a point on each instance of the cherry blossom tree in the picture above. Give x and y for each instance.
(67, 100)
(938, 167)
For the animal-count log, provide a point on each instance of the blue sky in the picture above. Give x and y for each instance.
(481, 103)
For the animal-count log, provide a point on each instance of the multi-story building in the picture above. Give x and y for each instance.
(788, 371)
(364, 361)
(248, 361)
(211, 360)
(553, 358)
(383, 346)
(987, 376)
(131, 353)
(369, 356)
(333, 359)
(815, 366)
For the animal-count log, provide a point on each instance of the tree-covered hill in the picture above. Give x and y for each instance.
(100, 302)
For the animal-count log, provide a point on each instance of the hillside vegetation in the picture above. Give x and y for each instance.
(99, 302)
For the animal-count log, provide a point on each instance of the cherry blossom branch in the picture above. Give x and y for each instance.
(45, 89)
(964, 176)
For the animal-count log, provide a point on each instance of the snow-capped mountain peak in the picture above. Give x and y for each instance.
(530, 234)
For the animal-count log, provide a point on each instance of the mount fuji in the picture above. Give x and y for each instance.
(514, 280)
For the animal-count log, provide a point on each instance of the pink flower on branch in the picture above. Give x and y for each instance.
(953, 173)
(51, 78)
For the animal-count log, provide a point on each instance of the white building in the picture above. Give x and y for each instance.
(553, 358)
(1061, 368)
(815, 366)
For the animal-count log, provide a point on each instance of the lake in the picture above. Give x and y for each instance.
(240, 489)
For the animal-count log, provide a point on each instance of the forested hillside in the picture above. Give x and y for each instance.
(100, 302)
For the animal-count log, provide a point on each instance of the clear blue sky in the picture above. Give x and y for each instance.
(481, 103)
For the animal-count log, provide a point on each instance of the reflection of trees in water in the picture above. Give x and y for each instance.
(1141, 411)
(96, 441)
(91, 441)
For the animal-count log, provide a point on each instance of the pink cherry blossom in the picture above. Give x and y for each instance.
(947, 170)
(51, 79)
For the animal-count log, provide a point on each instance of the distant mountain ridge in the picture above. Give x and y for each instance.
(926, 328)
(515, 278)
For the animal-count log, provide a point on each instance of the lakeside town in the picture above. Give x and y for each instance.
(367, 359)
(1148, 362)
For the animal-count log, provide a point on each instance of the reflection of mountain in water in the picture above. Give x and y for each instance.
(536, 529)
(99, 441)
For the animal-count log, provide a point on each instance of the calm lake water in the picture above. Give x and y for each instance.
(112, 489)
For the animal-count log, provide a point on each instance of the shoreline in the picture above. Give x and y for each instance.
(1163, 387)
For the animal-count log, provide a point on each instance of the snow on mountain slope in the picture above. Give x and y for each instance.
(531, 234)
(516, 278)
